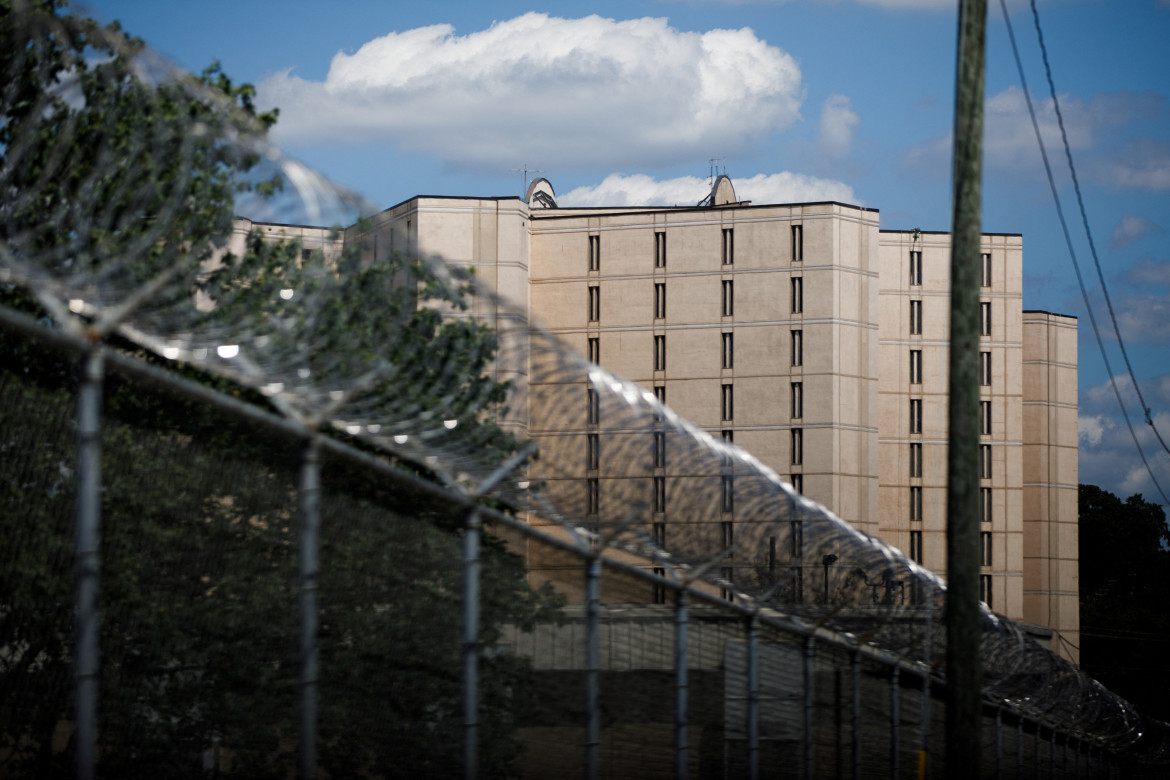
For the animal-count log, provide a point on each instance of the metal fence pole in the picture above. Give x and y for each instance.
(895, 719)
(680, 684)
(753, 697)
(471, 572)
(856, 715)
(87, 556)
(1019, 747)
(810, 650)
(924, 748)
(998, 743)
(592, 666)
(309, 565)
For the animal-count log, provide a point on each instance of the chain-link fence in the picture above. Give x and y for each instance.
(266, 508)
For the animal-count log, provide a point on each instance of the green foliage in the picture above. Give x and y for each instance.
(110, 168)
(115, 179)
(1125, 587)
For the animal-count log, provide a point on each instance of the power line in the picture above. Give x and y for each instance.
(1088, 232)
(1068, 240)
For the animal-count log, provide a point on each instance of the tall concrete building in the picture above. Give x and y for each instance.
(811, 338)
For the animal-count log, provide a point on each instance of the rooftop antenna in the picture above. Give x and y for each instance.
(716, 167)
(525, 171)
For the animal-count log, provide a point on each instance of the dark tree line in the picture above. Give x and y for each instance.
(1125, 597)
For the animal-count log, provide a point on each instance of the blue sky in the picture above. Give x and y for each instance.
(802, 99)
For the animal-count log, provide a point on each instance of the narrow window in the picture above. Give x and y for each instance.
(797, 538)
(592, 496)
(728, 246)
(728, 402)
(594, 253)
(660, 353)
(797, 243)
(659, 249)
(728, 298)
(727, 575)
(660, 300)
(915, 366)
(916, 459)
(593, 415)
(594, 349)
(660, 395)
(985, 461)
(307, 253)
(915, 415)
(659, 588)
(728, 350)
(729, 439)
(916, 546)
(594, 303)
(985, 369)
(727, 536)
(797, 348)
(985, 548)
(985, 504)
(985, 589)
(985, 318)
(797, 436)
(985, 417)
(915, 268)
(593, 450)
(660, 494)
(797, 295)
(915, 318)
(659, 532)
(728, 493)
(986, 269)
(659, 449)
(797, 400)
(916, 503)
(797, 482)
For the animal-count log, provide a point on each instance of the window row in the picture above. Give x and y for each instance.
(727, 253)
(916, 318)
(984, 422)
(728, 300)
(985, 505)
(916, 268)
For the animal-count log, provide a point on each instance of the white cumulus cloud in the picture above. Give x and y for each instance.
(641, 190)
(1130, 229)
(838, 125)
(567, 92)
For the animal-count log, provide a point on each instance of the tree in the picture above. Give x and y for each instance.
(198, 633)
(1125, 586)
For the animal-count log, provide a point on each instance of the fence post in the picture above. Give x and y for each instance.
(810, 649)
(87, 556)
(924, 748)
(680, 684)
(856, 715)
(592, 665)
(998, 743)
(753, 697)
(309, 496)
(1019, 746)
(471, 573)
(895, 719)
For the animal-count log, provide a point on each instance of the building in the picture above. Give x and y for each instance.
(810, 337)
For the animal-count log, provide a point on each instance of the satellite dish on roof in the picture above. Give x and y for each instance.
(541, 195)
(722, 193)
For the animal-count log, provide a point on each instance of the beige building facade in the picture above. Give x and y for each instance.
(808, 336)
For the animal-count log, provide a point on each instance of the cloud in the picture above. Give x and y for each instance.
(573, 93)
(1009, 139)
(1150, 272)
(1144, 319)
(1141, 164)
(641, 190)
(1131, 229)
(838, 125)
(1108, 457)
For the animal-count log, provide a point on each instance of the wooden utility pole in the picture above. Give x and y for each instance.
(964, 679)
